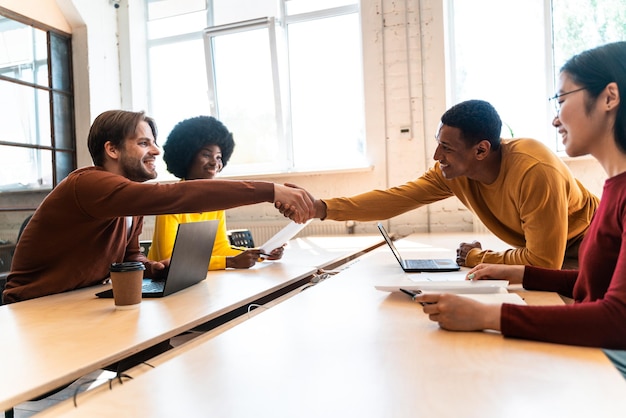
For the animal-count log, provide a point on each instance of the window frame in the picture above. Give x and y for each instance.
(278, 41)
(281, 110)
(62, 141)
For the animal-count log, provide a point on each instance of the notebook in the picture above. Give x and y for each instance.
(189, 262)
(418, 265)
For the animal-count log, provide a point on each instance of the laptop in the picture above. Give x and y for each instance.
(418, 265)
(189, 262)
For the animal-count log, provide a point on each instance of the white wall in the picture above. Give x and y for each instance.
(405, 86)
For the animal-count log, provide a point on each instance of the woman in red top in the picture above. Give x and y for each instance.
(591, 120)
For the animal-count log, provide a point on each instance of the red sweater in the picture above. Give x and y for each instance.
(598, 316)
(80, 227)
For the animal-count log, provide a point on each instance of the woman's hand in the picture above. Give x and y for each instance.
(245, 260)
(513, 273)
(157, 270)
(277, 253)
(458, 313)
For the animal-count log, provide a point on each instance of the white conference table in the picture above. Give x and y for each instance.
(51, 341)
(343, 348)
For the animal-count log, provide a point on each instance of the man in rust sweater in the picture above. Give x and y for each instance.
(94, 217)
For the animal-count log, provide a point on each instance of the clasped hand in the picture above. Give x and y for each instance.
(463, 250)
(294, 202)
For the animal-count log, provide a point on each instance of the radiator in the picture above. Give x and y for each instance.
(264, 230)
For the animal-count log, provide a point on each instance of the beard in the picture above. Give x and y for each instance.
(136, 170)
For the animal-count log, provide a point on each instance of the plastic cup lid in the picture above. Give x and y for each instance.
(127, 266)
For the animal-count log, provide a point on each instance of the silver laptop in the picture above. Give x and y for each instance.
(189, 262)
(418, 265)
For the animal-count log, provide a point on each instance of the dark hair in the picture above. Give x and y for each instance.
(115, 126)
(190, 136)
(477, 120)
(594, 69)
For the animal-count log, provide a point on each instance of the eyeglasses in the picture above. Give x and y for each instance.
(555, 101)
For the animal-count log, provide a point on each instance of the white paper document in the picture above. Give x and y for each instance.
(282, 236)
(496, 298)
(452, 286)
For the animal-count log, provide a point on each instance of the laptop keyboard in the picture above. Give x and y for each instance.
(421, 264)
(152, 287)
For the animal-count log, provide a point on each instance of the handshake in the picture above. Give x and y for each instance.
(297, 204)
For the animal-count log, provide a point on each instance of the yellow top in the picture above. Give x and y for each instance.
(535, 204)
(165, 228)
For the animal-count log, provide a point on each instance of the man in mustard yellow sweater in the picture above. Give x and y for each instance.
(522, 192)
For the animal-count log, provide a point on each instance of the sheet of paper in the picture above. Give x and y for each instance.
(452, 286)
(496, 298)
(283, 236)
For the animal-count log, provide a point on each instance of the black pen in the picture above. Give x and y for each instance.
(247, 249)
(413, 294)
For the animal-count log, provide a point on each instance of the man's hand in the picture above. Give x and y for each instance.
(464, 248)
(289, 211)
(294, 202)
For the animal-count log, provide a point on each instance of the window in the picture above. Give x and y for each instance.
(511, 56)
(286, 79)
(37, 143)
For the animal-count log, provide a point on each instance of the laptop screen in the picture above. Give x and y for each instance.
(394, 250)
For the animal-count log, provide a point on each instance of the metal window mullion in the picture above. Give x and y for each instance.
(551, 67)
(287, 146)
(51, 115)
(210, 73)
(321, 14)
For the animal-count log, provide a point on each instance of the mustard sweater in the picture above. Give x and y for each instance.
(165, 228)
(535, 204)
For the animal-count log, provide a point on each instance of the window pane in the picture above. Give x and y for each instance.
(584, 24)
(25, 168)
(60, 57)
(63, 117)
(327, 92)
(22, 51)
(229, 11)
(25, 114)
(245, 95)
(507, 70)
(178, 84)
(64, 164)
(26, 111)
(304, 6)
(158, 9)
(178, 25)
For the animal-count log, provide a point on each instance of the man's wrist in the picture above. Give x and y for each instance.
(320, 209)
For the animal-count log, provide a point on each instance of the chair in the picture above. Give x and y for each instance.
(240, 238)
(22, 227)
(144, 246)
(3, 276)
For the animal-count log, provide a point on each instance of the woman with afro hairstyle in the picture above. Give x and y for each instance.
(199, 148)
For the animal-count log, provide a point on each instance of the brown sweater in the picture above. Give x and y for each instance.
(80, 228)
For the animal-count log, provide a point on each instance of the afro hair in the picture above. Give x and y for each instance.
(190, 136)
